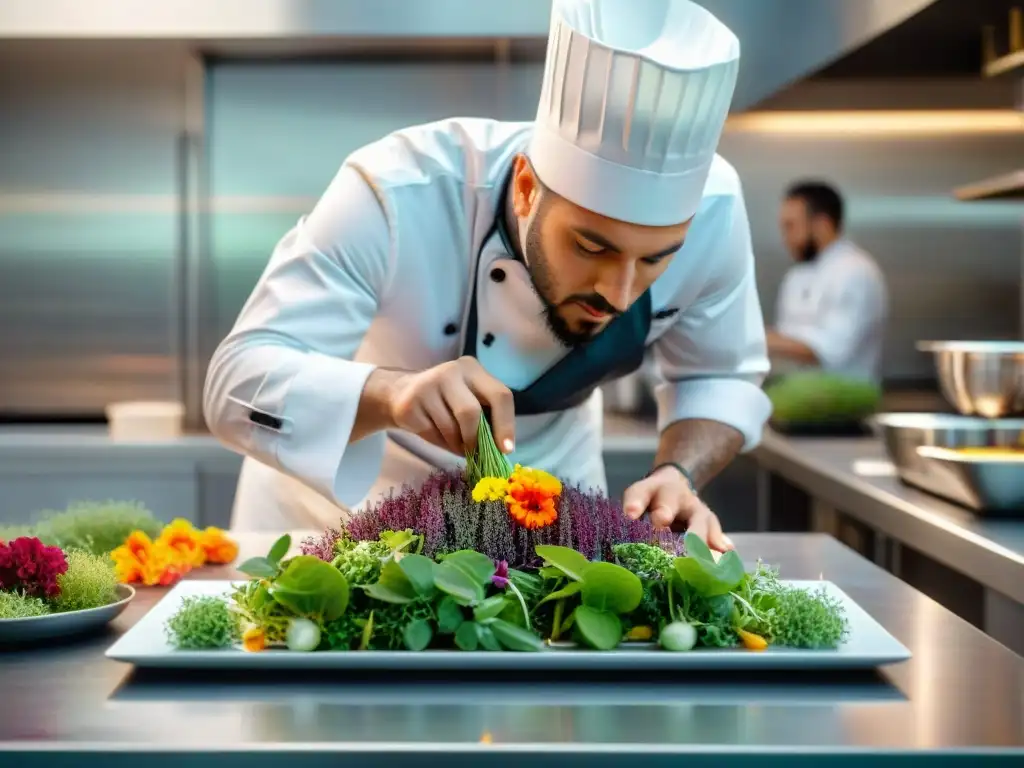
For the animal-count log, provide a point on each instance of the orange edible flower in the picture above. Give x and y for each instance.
(751, 641)
(254, 639)
(531, 497)
(141, 560)
(182, 537)
(217, 546)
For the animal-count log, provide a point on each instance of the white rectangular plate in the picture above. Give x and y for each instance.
(145, 645)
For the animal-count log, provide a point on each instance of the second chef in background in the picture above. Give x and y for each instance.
(833, 304)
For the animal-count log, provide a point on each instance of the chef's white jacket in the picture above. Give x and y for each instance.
(378, 274)
(838, 306)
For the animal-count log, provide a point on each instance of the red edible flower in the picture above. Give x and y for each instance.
(32, 567)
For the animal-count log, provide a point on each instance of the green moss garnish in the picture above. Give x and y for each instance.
(14, 605)
(89, 582)
(202, 622)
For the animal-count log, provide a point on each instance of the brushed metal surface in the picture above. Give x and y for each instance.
(841, 473)
(980, 378)
(905, 433)
(961, 692)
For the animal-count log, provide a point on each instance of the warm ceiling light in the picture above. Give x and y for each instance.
(881, 123)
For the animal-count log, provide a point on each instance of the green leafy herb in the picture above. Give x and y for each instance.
(645, 560)
(515, 638)
(418, 634)
(269, 566)
(699, 569)
(449, 616)
(567, 561)
(486, 460)
(393, 586)
(599, 629)
(202, 622)
(610, 587)
(311, 588)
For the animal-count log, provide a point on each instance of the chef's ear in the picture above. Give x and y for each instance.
(525, 186)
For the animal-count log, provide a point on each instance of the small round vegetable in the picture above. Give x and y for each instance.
(302, 635)
(678, 636)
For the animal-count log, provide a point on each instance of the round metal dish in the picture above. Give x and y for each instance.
(905, 434)
(983, 378)
(60, 625)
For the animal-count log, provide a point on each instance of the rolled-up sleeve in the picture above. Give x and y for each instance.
(713, 360)
(283, 387)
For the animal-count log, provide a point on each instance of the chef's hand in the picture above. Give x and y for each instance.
(443, 405)
(667, 495)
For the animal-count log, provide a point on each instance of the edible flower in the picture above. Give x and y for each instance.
(531, 497)
(751, 641)
(254, 639)
(500, 577)
(490, 489)
(641, 632)
(152, 563)
(217, 546)
(180, 536)
(32, 567)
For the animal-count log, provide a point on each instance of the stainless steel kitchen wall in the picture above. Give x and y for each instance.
(91, 184)
(88, 225)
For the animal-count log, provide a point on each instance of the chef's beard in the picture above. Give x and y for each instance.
(810, 250)
(544, 286)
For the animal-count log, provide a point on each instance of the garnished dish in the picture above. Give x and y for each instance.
(72, 570)
(387, 595)
(502, 557)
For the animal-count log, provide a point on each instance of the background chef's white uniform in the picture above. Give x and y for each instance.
(380, 271)
(838, 306)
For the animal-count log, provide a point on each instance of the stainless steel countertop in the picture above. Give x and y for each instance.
(960, 693)
(854, 475)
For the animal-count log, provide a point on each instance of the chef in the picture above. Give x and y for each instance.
(470, 264)
(833, 302)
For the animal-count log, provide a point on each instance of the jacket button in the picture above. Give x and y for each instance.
(497, 274)
(451, 329)
(488, 339)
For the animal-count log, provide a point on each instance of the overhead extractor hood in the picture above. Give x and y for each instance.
(782, 41)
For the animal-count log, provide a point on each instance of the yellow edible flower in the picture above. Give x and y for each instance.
(490, 489)
(254, 639)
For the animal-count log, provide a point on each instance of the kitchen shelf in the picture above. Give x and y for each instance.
(1009, 186)
(1011, 63)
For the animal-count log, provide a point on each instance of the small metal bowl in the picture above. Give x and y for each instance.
(980, 378)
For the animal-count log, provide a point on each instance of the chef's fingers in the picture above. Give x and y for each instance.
(717, 539)
(465, 410)
(664, 506)
(445, 423)
(637, 498)
(699, 523)
(499, 400)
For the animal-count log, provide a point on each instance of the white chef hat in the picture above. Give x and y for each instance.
(633, 102)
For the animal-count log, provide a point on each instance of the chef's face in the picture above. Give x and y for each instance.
(587, 268)
(798, 229)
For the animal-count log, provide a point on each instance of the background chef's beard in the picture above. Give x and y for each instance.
(544, 286)
(810, 250)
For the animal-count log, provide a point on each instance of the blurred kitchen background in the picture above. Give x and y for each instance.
(151, 157)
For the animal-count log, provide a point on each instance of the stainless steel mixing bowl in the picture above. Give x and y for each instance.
(990, 485)
(980, 378)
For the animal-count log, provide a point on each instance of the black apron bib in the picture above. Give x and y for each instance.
(615, 352)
